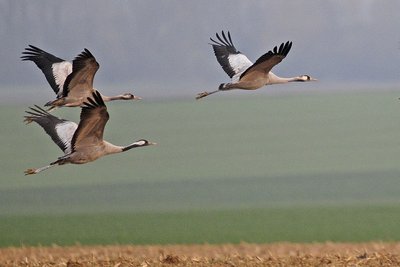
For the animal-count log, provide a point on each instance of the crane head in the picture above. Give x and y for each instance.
(306, 78)
(143, 142)
(129, 96)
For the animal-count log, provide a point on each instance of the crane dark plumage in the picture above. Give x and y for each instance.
(83, 59)
(53, 126)
(267, 61)
(45, 62)
(84, 67)
(93, 119)
(222, 49)
(94, 102)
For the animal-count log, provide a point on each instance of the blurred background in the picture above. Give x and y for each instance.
(298, 162)
(161, 49)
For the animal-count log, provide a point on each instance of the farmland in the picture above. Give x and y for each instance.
(259, 169)
(279, 254)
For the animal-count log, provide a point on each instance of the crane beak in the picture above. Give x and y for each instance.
(313, 79)
(152, 143)
(135, 97)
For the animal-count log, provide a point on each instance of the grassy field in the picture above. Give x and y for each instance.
(257, 168)
(336, 224)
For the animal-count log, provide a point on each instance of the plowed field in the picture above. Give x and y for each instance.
(279, 254)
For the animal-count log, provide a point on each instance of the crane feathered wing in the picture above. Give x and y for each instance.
(61, 131)
(94, 117)
(267, 61)
(54, 68)
(232, 61)
(80, 82)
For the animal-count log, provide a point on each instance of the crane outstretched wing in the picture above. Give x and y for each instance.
(80, 82)
(54, 68)
(267, 61)
(94, 117)
(232, 61)
(61, 131)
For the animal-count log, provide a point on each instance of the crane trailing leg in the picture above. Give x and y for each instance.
(35, 171)
(221, 87)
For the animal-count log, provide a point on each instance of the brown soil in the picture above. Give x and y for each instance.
(279, 254)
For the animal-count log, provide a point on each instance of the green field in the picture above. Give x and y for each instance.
(254, 168)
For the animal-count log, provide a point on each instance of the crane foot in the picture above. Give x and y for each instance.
(201, 95)
(30, 171)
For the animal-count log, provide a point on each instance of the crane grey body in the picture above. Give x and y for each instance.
(81, 143)
(63, 77)
(244, 74)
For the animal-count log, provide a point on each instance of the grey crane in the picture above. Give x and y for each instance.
(244, 74)
(80, 143)
(72, 82)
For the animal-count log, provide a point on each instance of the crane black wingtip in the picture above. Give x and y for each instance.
(85, 54)
(287, 48)
(283, 49)
(96, 100)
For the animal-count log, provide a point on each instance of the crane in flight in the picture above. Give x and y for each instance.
(244, 74)
(72, 82)
(83, 142)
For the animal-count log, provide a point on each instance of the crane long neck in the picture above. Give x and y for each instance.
(111, 148)
(111, 98)
(273, 79)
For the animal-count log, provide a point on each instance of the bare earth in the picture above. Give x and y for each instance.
(278, 254)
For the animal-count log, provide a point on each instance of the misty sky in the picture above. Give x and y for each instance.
(160, 48)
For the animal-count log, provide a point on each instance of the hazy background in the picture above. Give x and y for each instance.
(160, 48)
(285, 163)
